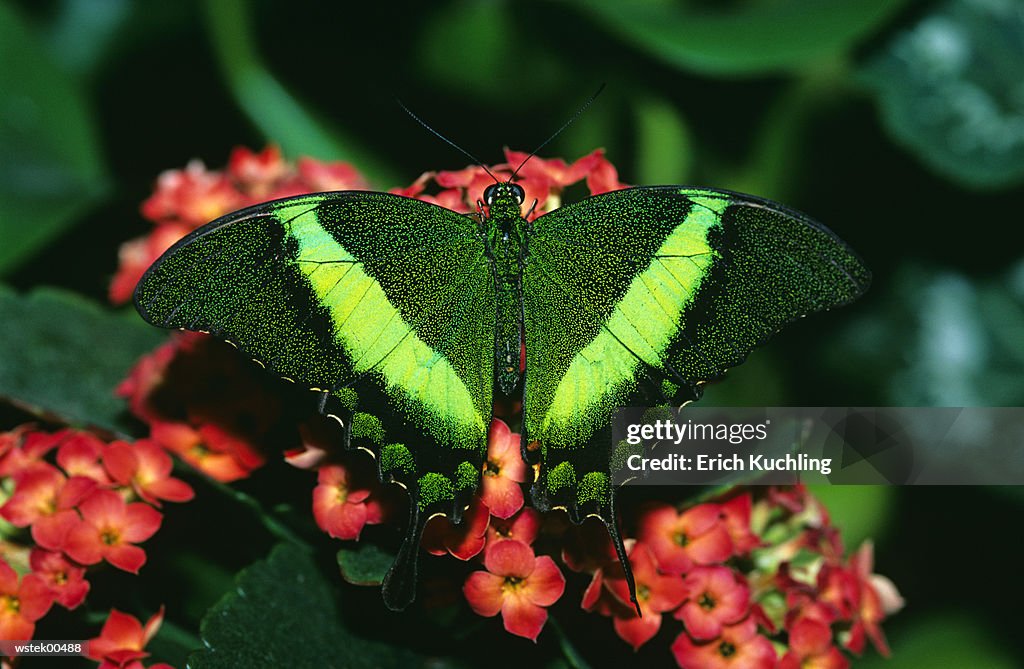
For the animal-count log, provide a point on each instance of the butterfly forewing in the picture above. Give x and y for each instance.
(329, 290)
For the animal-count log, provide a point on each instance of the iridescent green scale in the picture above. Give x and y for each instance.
(417, 313)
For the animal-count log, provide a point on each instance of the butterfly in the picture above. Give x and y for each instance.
(378, 301)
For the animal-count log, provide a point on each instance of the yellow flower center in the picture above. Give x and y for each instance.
(512, 583)
(11, 604)
(706, 602)
(680, 538)
(492, 468)
(110, 537)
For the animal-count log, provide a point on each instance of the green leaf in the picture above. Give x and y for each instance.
(749, 38)
(64, 355)
(51, 169)
(664, 143)
(366, 564)
(942, 339)
(271, 107)
(950, 640)
(283, 613)
(949, 89)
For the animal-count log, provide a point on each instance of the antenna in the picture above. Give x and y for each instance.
(450, 142)
(565, 125)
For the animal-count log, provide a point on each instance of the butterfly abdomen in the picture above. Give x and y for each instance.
(507, 256)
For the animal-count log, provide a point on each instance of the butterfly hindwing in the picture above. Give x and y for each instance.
(661, 287)
(335, 289)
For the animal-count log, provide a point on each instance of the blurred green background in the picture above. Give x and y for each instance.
(898, 124)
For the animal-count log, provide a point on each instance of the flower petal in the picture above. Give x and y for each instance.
(510, 558)
(522, 617)
(484, 593)
(546, 584)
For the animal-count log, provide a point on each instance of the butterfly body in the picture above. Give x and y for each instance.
(507, 234)
(416, 314)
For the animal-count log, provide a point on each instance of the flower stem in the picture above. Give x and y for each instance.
(572, 656)
(268, 519)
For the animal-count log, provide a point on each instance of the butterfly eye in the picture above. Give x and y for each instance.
(490, 193)
(518, 193)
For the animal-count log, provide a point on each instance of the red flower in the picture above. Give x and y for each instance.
(716, 596)
(523, 526)
(739, 647)
(503, 471)
(210, 449)
(810, 647)
(23, 449)
(736, 516)
(656, 593)
(148, 374)
(122, 640)
(79, 455)
(316, 176)
(257, 174)
(343, 503)
(217, 427)
(65, 579)
(854, 591)
(109, 529)
(146, 468)
(518, 585)
(542, 179)
(21, 604)
(681, 540)
(45, 499)
(194, 196)
(464, 540)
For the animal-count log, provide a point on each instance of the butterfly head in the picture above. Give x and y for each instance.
(503, 200)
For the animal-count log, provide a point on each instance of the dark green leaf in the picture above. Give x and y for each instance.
(950, 89)
(754, 37)
(64, 355)
(283, 614)
(51, 168)
(366, 564)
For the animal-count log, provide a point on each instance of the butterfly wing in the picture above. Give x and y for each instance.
(332, 289)
(663, 287)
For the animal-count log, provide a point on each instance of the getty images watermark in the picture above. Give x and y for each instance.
(837, 445)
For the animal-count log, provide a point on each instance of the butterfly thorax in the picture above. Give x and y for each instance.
(506, 231)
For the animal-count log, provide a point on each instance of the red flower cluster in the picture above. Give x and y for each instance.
(74, 494)
(736, 593)
(203, 403)
(542, 179)
(186, 199)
